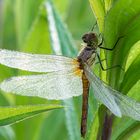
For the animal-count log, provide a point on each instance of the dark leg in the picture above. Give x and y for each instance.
(115, 66)
(110, 49)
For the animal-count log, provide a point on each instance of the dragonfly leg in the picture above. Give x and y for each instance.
(110, 49)
(105, 69)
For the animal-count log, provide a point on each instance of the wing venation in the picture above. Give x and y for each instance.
(36, 62)
(60, 85)
(116, 102)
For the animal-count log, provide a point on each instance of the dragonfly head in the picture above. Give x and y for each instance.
(90, 39)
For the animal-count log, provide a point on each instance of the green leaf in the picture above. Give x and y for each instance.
(8, 33)
(10, 115)
(25, 12)
(93, 131)
(133, 70)
(121, 21)
(108, 4)
(80, 19)
(7, 133)
(37, 39)
(56, 127)
(126, 130)
(61, 43)
(99, 12)
(135, 136)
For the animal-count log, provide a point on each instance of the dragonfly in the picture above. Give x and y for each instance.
(63, 77)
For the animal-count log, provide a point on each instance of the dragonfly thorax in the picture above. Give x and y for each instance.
(87, 55)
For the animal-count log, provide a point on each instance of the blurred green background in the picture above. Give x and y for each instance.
(25, 26)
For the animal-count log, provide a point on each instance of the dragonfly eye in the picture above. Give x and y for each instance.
(90, 39)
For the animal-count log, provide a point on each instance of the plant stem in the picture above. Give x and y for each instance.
(107, 127)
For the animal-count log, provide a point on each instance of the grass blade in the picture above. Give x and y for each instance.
(10, 115)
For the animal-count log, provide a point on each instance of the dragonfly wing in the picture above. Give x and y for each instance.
(36, 62)
(114, 100)
(60, 85)
(128, 106)
(102, 92)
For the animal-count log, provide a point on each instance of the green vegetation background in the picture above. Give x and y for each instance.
(25, 27)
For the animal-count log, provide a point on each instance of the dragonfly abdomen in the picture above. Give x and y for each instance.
(84, 105)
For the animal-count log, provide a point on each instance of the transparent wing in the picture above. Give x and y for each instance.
(61, 85)
(114, 100)
(102, 93)
(36, 62)
(128, 106)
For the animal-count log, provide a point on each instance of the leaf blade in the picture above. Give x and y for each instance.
(10, 115)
